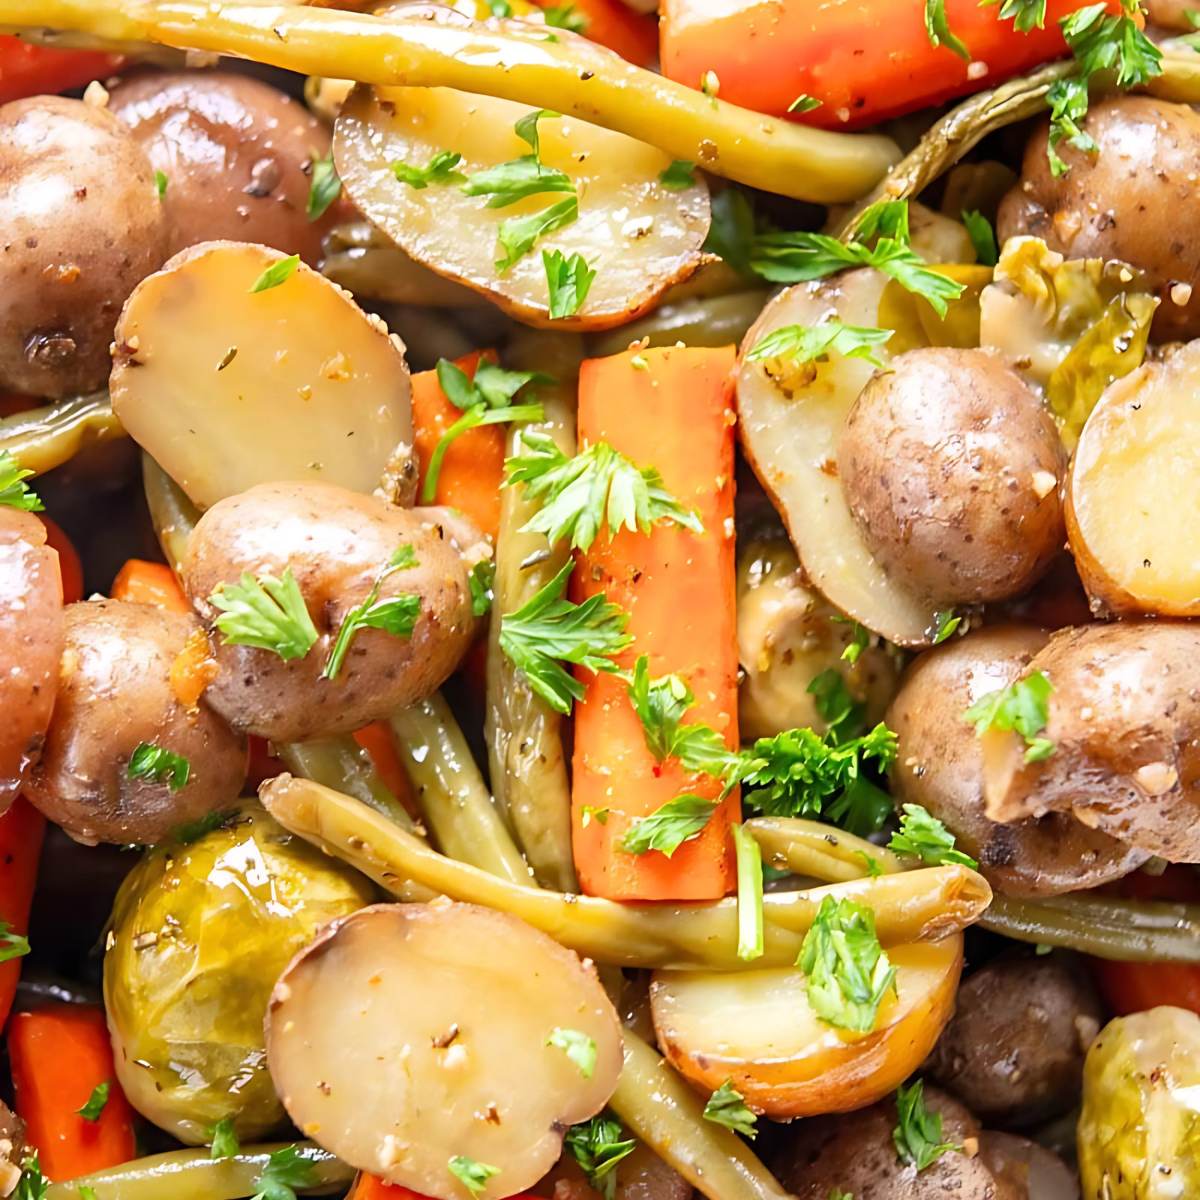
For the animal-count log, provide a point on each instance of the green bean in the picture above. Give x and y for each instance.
(698, 321)
(821, 851)
(1105, 926)
(172, 514)
(340, 762)
(666, 1114)
(522, 733)
(512, 60)
(366, 262)
(451, 792)
(41, 439)
(193, 1175)
(908, 907)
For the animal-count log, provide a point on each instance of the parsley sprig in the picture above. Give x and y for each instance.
(568, 280)
(847, 973)
(669, 826)
(160, 765)
(1021, 707)
(1024, 14)
(266, 612)
(597, 1146)
(225, 1142)
(578, 1047)
(727, 1107)
(96, 1103)
(937, 28)
(396, 615)
(598, 486)
(286, 1170)
(549, 630)
(324, 188)
(472, 1175)
(813, 343)
(484, 399)
(918, 1132)
(14, 491)
(441, 169)
(32, 1185)
(12, 945)
(924, 836)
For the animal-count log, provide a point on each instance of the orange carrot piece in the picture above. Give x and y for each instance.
(862, 59)
(59, 1054)
(376, 740)
(69, 566)
(142, 582)
(670, 409)
(32, 70)
(22, 828)
(474, 464)
(633, 35)
(370, 1187)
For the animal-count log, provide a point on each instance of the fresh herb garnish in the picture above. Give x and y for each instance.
(918, 1133)
(860, 639)
(946, 622)
(800, 256)
(324, 188)
(578, 1047)
(844, 716)
(550, 630)
(597, 1146)
(32, 1185)
(1022, 707)
(96, 1102)
(804, 103)
(678, 176)
(396, 615)
(749, 895)
(156, 763)
(225, 1142)
(277, 273)
(518, 235)
(160, 184)
(439, 169)
(846, 971)
(485, 399)
(500, 8)
(592, 813)
(472, 1175)
(14, 492)
(731, 231)
(86, 1192)
(598, 486)
(568, 281)
(286, 1170)
(923, 835)
(983, 237)
(937, 28)
(669, 826)
(727, 1107)
(1024, 14)
(565, 16)
(809, 343)
(266, 612)
(481, 579)
(508, 182)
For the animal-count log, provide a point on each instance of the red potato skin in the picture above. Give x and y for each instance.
(1135, 200)
(237, 155)
(1123, 716)
(31, 639)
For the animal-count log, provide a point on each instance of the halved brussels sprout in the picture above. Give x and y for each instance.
(199, 934)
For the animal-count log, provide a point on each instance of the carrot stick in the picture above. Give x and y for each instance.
(862, 59)
(469, 479)
(370, 1187)
(633, 35)
(59, 1056)
(69, 566)
(32, 70)
(22, 828)
(669, 409)
(154, 583)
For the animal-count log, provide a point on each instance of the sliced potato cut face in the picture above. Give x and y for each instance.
(227, 388)
(637, 235)
(790, 420)
(1133, 498)
(757, 1029)
(408, 1035)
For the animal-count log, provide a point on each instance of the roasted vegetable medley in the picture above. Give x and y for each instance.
(596, 603)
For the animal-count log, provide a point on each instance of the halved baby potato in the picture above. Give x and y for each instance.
(757, 1029)
(791, 419)
(638, 235)
(227, 387)
(1133, 496)
(414, 1039)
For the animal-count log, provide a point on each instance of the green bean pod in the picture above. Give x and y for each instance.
(41, 439)
(172, 514)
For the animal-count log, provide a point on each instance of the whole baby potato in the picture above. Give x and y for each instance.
(119, 689)
(81, 228)
(336, 543)
(1135, 199)
(951, 467)
(236, 154)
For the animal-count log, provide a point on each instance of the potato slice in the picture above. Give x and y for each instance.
(790, 421)
(227, 388)
(406, 1036)
(757, 1029)
(1133, 498)
(639, 236)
